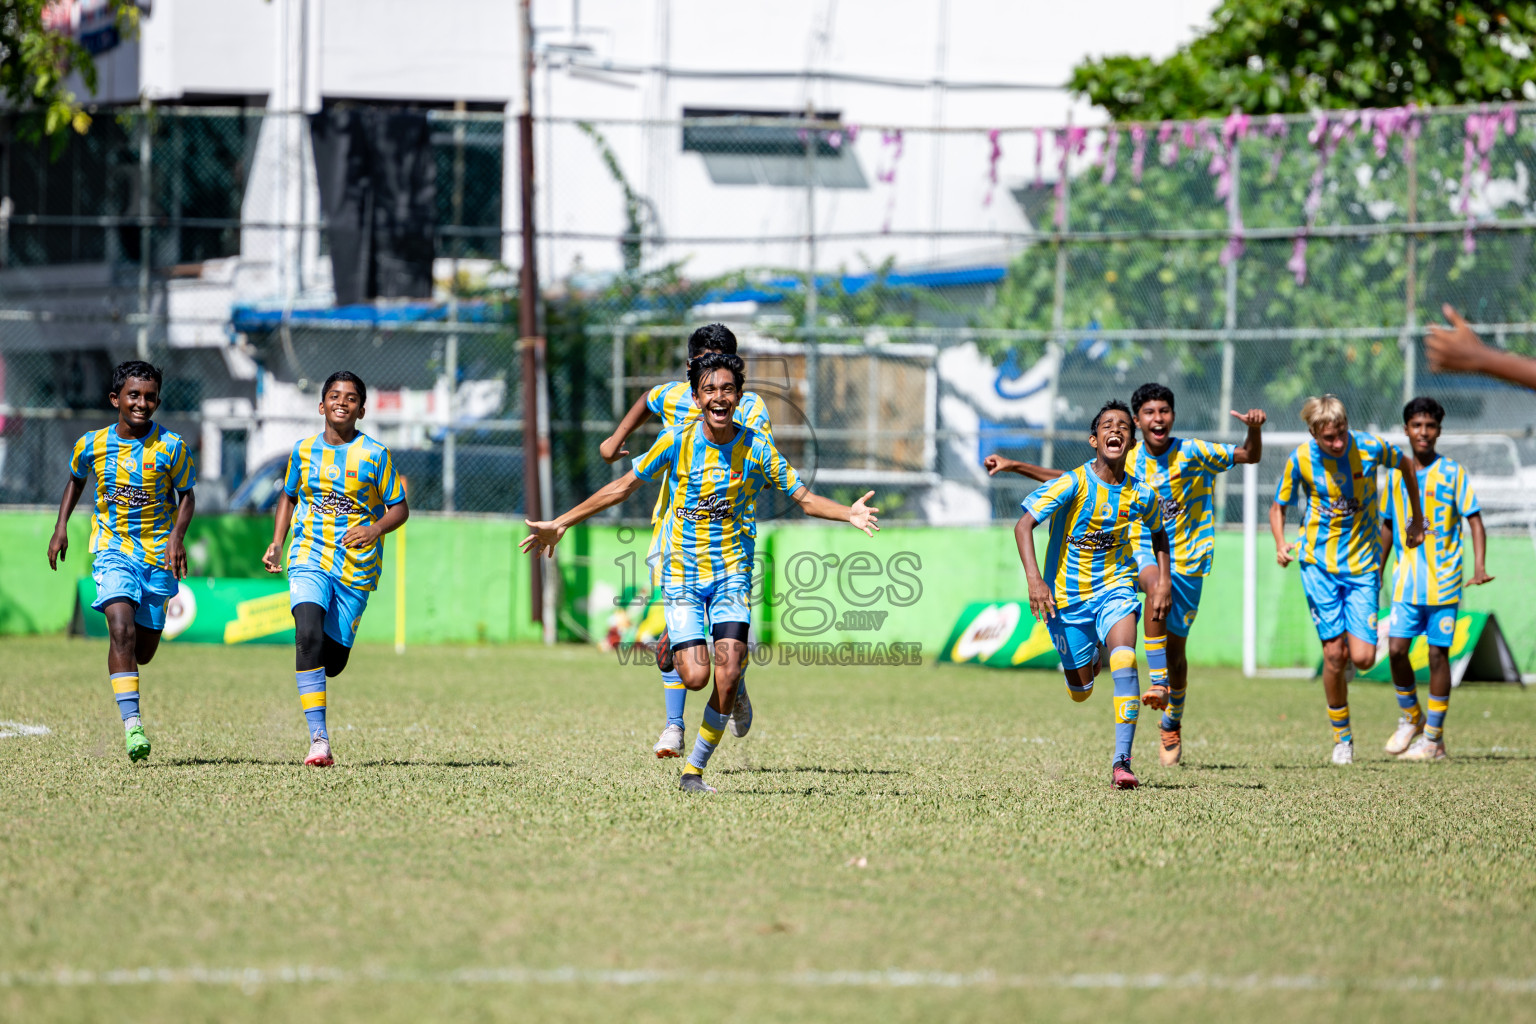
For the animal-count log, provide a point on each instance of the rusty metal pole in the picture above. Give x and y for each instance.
(530, 344)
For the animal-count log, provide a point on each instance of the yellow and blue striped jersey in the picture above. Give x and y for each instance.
(1091, 546)
(137, 481)
(1339, 524)
(706, 530)
(1430, 573)
(339, 486)
(673, 402)
(1184, 479)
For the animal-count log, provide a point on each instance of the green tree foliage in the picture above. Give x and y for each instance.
(1362, 282)
(35, 62)
(1291, 56)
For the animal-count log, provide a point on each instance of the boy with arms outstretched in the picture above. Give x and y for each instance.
(673, 403)
(1182, 472)
(702, 554)
(341, 496)
(1426, 580)
(1087, 595)
(144, 504)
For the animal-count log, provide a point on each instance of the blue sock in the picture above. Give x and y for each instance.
(312, 700)
(1122, 665)
(706, 741)
(125, 687)
(1408, 703)
(677, 697)
(1174, 716)
(1157, 660)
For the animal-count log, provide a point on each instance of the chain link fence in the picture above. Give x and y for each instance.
(975, 290)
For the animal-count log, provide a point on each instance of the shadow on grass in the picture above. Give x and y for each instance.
(482, 763)
(200, 762)
(809, 791)
(816, 769)
(195, 762)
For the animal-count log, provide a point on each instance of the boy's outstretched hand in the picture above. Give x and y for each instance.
(863, 516)
(545, 535)
(1454, 349)
(1253, 417)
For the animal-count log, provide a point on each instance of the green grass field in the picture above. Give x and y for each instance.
(498, 843)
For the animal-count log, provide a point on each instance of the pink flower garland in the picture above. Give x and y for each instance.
(992, 159)
(890, 141)
(1073, 140)
(1482, 131)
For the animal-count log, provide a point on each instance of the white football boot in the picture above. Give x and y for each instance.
(671, 742)
(1404, 736)
(320, 753)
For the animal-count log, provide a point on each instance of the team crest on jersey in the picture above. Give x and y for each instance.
(334, 503)
(129, 496)
(712, 509)
(332, 472)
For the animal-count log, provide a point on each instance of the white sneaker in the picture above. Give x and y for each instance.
(1424, 749)
(1406, 731)
(671, 742)
(320, 753)
(1344, 753)
(740, 722)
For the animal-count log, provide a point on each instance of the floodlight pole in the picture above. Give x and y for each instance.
(535, 445)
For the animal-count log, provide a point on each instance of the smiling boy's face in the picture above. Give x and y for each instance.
(1112, 437)
(716, 397)
(137, 401)
(1423, 433)
(1155, 418)
(342, 405)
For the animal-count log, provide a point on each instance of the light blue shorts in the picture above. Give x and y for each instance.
(121, 578)
(1078, 629)
(692, 608)
(343, 605)
(1435, 622)
(1186, 600)
(1341, 602)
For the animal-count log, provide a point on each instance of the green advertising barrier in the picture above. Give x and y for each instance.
(211, 610)
(1479, 653)
(1000, 634)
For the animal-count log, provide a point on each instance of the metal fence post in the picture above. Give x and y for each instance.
(1410, 291)
(1224, 402)
(451, 344)
(811, 355)
(1057, 345)
(145, 242)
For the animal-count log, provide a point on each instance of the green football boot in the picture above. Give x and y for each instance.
(138, 743)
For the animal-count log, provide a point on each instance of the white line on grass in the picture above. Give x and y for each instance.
(13, 730)
(255, 977)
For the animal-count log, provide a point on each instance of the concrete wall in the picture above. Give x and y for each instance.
(466, 583)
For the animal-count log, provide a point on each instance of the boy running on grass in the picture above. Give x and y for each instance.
(702, 554)
(1426, 581)
(1334, 477)
(144, 504)
(1183, 473)
(341, 496)
(1087, 595)
(673, 402)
